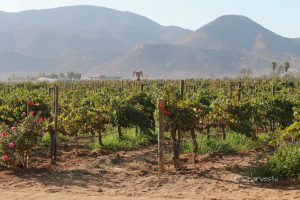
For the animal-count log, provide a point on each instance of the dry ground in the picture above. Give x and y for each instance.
(132, 175)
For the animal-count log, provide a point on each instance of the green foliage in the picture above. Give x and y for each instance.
(290, 135)
(219, 113)
(16, 143)
(10, 109)
(285, 163)
(63, 138)
(136, 112)
(131, 141)
(89, 107)
(46, 139)
(242, 118)
(234, 142)
(183, 116)
(281, 109)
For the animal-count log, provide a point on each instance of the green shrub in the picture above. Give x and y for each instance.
(285, 162)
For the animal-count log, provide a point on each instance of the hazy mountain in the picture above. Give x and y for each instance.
(257, 46)
(96, 40)
(92, 22)
(221, 47)
(297, 40)
(15, 63)
(170, 61)
(77, 37)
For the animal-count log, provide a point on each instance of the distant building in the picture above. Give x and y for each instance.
(43, 79)
(138, 75)
(103, 77)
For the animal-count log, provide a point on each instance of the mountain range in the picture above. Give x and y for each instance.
(102, 41)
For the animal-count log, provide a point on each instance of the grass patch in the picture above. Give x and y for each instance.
(138, 166)
(130, 141)
(76, 172)
(46, 140)
(63, 138)
(92, 145)
(233, 143)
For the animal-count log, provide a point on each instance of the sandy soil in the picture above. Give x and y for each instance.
(132, 175)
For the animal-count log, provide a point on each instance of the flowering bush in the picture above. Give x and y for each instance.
(16, 143)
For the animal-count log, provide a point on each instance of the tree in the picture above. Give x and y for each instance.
(77, 76)
(53, 76)
(245, 72)
(62, 76)
(274, 65)
(70, 75)
(286, 67)
(280, 69)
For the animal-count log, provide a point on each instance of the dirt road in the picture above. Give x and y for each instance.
(132, 175)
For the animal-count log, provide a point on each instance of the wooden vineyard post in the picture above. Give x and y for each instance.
(206, 86)
(182, 89)
(239, 91)
(273, 119)
(142, 87)
(28, 106)
(273, 90)
(194, 89)
(225, 90)
(161, 137)
(230, 90)
(54, 145)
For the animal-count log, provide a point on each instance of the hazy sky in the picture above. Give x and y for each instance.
(280, 16)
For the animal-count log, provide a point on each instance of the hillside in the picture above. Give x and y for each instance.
(221, 47)
(85, 35)
(96, 40)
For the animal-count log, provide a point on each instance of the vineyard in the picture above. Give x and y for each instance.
(196, 117)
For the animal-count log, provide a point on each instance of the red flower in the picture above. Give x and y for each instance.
(3, 135)
(11, 145)
(30, 103)
(162, 108)
(31, 113)
(42, 119)
(5, 158)
(36, 121)
(13, 128)
(40, 112)
(23, 114)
